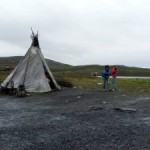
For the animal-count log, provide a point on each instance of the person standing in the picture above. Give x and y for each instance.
(105, 76)
(114, 76)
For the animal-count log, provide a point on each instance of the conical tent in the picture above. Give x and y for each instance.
(32, 72)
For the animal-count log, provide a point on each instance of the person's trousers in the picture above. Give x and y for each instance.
(106, 84)
(114, 83)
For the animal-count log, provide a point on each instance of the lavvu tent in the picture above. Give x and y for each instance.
(32, 71)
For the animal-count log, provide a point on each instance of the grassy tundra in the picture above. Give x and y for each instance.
(80, 76)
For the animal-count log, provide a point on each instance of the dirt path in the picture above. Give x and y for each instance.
(75, 119)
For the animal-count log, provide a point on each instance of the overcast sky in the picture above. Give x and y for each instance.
(79, 32)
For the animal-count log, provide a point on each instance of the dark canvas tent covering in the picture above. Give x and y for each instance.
(32, 71)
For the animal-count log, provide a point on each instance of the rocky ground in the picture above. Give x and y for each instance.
(75, 119)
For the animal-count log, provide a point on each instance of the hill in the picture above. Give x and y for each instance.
(13, 61)
(67, 70)
(123, 70)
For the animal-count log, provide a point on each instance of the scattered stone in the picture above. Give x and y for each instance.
(104, 102)
(142, 91)
(129, 110)
(28, 94)
(95, 108)
(78, 96)
(146, 120)
(99, 83)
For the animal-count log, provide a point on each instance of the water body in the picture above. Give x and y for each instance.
(131, 77)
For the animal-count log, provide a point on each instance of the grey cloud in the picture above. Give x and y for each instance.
(79, 31)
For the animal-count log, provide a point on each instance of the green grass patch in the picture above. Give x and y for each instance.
(85, 81)
(134, 86)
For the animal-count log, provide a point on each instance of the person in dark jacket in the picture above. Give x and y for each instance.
(105, 75)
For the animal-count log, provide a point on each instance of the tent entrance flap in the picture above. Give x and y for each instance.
(49, 78)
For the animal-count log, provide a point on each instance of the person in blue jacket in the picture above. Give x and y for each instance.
(105, 75)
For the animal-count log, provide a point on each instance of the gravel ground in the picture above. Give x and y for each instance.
(74, 119)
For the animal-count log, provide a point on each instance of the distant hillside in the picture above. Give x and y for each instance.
(57, 65)
(13, 61)
(123, 70)
(66, 70)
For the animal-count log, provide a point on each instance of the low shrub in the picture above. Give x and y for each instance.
(64, 83)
